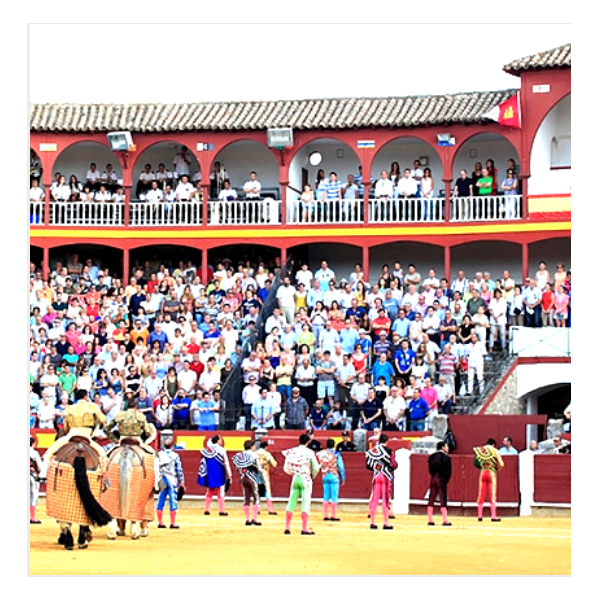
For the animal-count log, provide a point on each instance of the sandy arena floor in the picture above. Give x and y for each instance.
(214, 545)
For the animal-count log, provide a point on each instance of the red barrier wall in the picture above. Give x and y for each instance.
(464, 482)
(552, 478)
(475, 430)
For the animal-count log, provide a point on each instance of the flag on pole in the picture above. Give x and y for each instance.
(507, 113)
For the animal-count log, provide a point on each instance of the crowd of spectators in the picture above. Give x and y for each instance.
(337, 352)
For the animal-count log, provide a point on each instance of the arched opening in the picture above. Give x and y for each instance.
(88, 260)
(425, 258)
(247, 255)
(552, 252)
(36, 256)
(151, 259)
(551, 152)
(411, 153)
(341, 258)
(313, 165)
(237, 160)
(35, 167)
(87, 162)
(484, 156)
(164, 162)
(550, 400)
(489, 256)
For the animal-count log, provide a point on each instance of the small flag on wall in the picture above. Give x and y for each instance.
(507, 113)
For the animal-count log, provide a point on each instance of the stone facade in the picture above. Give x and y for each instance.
(506, 402)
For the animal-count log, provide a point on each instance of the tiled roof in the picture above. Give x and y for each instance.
(550, 59)
(323, 113)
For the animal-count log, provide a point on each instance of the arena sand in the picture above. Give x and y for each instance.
(215, 545)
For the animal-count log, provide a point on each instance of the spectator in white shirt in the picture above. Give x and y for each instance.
(184, 189)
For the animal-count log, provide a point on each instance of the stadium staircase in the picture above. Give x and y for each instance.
(495, 368)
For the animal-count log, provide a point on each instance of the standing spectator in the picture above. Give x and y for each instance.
(252, 187)
(181, 163)
(286, 299)
(507, 447)
(325, 370)
(296, 410)
(475, 355)
(263, 411)
(404, 360)
(394, 407)
(358, 394)
(498, 309)
(250, 395)
(532, 302)
(306, 376)
(418, 410)
(371, 412)
(163, 414)
(181, 410)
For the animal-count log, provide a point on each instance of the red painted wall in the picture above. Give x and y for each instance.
(552, 477)
(464, 483)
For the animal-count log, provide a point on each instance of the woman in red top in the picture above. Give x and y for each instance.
(359, 360)
(337, 316)
(548, 305)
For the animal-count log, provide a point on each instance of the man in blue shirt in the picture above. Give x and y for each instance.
(383, 368)
(391, 305)
(181, 410)
(158, 335)
(404, 360)
(401, 324)
(349, 337)
(418, 409)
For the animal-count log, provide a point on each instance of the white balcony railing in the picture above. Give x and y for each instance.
(244, 212)
(268, 212)
(486, 208)
(87, 213)
(325, 212)
(165, 214)
(405, 210)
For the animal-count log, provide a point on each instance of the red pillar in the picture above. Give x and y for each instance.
(366, 263)
(204, 266)
(448, 194)
(525, 262)
(46, 263)
(126, 269)
(448, 263)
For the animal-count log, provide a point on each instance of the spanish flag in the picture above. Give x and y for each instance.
(507, 113)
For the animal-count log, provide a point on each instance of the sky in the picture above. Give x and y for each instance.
(203, 63)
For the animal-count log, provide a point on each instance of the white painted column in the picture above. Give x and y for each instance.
(526, 482)
(402, 482)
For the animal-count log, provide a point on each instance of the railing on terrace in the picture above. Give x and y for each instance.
(486, 208)
(87, 213)
(244, 212)
(269, 212)
(165, 214)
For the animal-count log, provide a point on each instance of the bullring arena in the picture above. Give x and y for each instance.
(539, 544)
